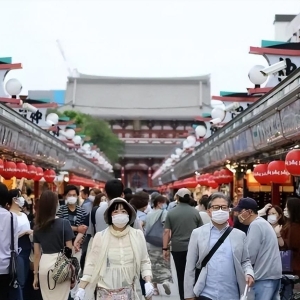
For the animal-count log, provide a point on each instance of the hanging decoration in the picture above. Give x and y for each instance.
(217, 177)
(211, 182)
(39, 174)
(225, 176)
(31, 172)
(292, 162)
(1, 166)
(277, 172)
(21, 171)
(9, 170)
(261, 174)
(49, 175)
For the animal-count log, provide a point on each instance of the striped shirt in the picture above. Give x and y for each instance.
(63, 213)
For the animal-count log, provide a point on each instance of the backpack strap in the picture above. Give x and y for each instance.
(93, 218)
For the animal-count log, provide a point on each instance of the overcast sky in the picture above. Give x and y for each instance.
(138, 38)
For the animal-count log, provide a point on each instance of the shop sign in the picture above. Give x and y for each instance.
(292, 63)
(38, 117)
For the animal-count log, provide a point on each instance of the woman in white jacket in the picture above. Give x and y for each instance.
(118, 257)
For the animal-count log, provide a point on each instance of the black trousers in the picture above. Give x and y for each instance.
(4, 286)
(180, 261)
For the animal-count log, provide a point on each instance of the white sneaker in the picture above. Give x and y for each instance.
(166, 286)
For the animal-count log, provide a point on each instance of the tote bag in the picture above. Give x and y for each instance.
(155, 234)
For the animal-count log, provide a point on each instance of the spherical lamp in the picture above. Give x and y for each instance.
(52, 119)
(39, 174)
(31, 171)
(1, 166)
(260, 174)
(255, 76)
(277, 172)
(292, 162)
(9, 170)
(21, 171)
(69, 134)
(200, 131)
(218, 113)
(77, 140)
(178, 151)
(13, 87)
(191, 140)
(186, 144)
(49, 175)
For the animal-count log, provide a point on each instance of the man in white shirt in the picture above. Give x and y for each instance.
(5, 241)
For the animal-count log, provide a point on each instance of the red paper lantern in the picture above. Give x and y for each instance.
(9, 170)
(205, 179)
(21, 171)
(225, 176)
(211, 182)
(49, 175)
(261, 174)
(292, 162)
(277, 172)
(1, 166)
(39, 174)
(217, 177)
(31, 172)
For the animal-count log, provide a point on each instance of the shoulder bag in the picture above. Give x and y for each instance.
(155, 234)
(13, 257)
(62, 267)
(213, 251)
(287, 257)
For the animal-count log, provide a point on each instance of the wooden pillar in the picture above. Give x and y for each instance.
(36, 189)
(275, 194)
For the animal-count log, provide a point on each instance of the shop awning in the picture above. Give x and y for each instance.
(77, 180)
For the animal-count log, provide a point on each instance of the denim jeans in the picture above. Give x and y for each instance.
(266, 289)
(23, 266)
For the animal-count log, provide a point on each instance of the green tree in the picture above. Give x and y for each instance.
(99, 132)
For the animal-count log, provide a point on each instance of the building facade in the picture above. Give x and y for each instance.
(151, 115)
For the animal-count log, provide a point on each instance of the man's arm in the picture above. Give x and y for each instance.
(246, 263)
(253, 241)
(190, 268)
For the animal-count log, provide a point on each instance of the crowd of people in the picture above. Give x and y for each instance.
(124, 242)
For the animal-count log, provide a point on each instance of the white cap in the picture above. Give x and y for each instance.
(182, 192)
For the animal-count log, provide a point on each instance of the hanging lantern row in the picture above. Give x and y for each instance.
(9, 169)
(219, 177)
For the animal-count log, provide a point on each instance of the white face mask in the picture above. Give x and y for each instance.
(272, 219)
(220, 216)
(92, 198)
(120, 220)
(20, 201)
(71, 200)
(286, 213)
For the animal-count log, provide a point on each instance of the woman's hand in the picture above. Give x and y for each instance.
(278, 230)
(36, 282)
(149, 289)
(80, 294)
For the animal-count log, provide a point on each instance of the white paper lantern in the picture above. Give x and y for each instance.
(186, 144)
(69, 134)
(94, 153)
(218, 113)
(77, 140)
(255, 76)
(13, 87)
(200, 131)
(191, 140)
(86, 147)
(52, 119)
(178, 151)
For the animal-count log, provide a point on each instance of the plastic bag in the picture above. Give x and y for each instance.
(245, 295)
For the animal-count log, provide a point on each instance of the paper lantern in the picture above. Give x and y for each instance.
(1, 166)
(39, 174)
(225, 176)
(21, 171)
(9, 170)
(49, 175)
(277, 172)
(13, 87)
(211, 182)
(205, 179)
(292, 162)
(200, 131)
(261, 175)
(217, 177)
(31, 171)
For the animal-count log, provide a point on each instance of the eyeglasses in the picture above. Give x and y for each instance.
(218, 207)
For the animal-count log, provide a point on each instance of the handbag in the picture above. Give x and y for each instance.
(13, 257)
(126, 293)
(213, 251)
(286, 261)
(62, 267)
(155, 235)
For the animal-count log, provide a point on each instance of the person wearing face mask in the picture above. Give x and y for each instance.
(117, 258)
(73, 212)
(229, 269)
(161, 269)
(275, 216)
(263, 249)
(15, 204)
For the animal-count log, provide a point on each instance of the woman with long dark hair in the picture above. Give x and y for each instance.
(288, 235)
(50, 236)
